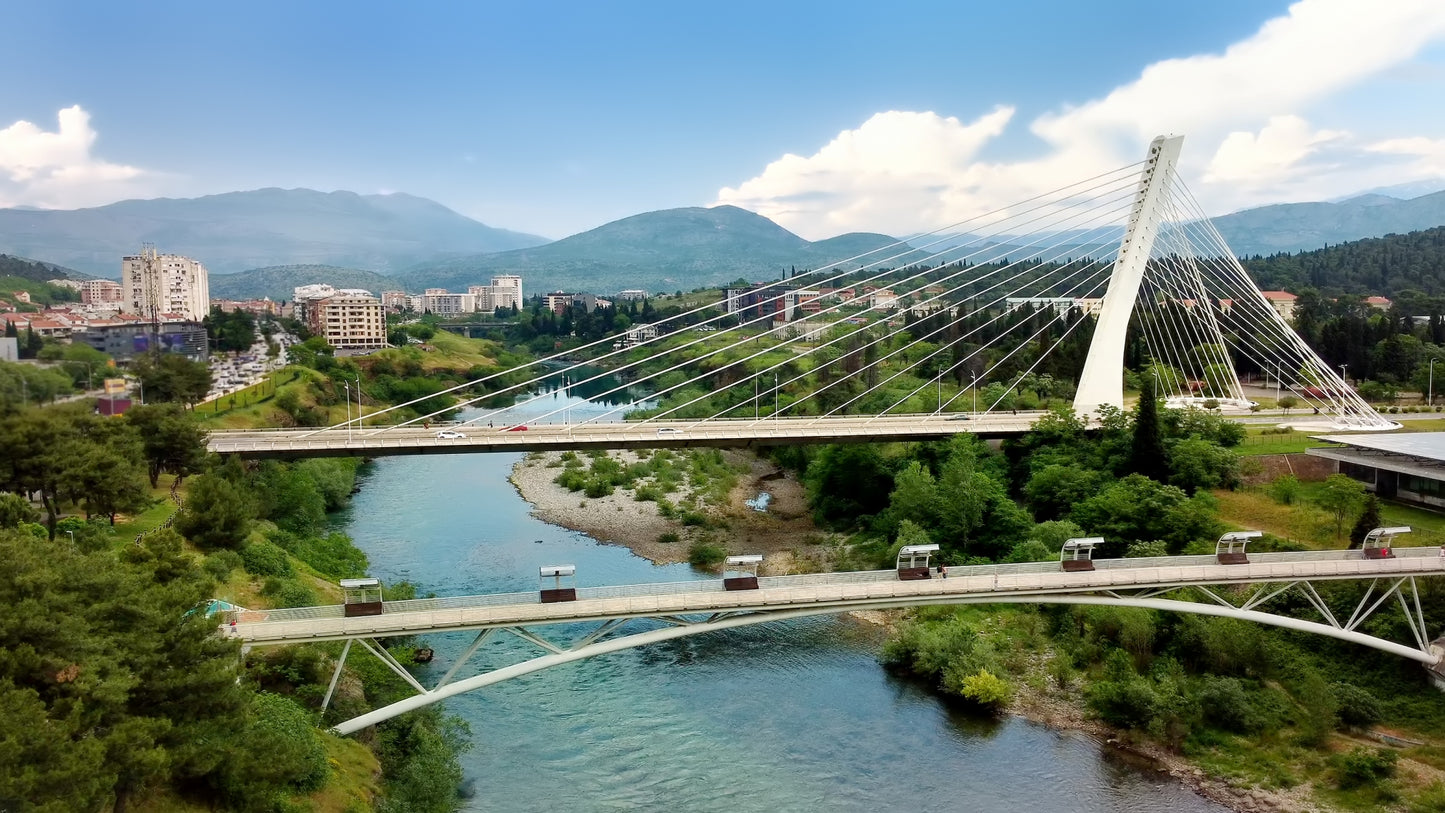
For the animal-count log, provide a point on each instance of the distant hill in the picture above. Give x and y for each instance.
(1386, 266)
(264, 227)
(277, 281)
(1308, 226)
(665, 250)
(35, 270)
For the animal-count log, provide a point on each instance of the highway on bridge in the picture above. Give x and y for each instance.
(412, 440)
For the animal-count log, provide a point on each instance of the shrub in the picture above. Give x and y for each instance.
(265, 559)
(986, 689)
(220, 564)
(706, 554)
(1226, 705)
(1286, 489)
(668, 538)
(1364, 766)
(598, 487)
(1358, 707)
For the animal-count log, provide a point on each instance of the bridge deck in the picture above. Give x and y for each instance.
(411, 440)
(826, 590)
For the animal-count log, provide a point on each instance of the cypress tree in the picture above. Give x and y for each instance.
(1369, 520)
(1146, 454)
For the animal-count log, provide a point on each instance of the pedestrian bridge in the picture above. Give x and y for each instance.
(1201, 584)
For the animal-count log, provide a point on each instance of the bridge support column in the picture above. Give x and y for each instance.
(1102, 381)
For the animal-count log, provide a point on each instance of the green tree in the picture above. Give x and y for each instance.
(915, 496)
(1369, 520)
(15, 511)
(217, 514)
(1146, 451)
(172, 377)
(172, 440)
(1137, 509)
(109, 685)
(1341, 496)
(1196, 463)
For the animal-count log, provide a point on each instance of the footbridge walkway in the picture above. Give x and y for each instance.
(675, 610)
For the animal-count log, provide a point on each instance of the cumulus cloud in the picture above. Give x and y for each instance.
(1244, 113)
(1276, 154)
(1428, 154)
(56, 169)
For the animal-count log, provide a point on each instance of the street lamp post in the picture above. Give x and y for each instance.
(72, 538)
(1343, 379)
(347, 385)
(755, 397)
(775, 395)
(1431, 399)
(974, 387)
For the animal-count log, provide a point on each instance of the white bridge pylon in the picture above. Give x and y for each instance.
(1193, 584)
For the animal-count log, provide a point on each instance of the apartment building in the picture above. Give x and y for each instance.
(348, 321)
(101, 292)
(165, 283)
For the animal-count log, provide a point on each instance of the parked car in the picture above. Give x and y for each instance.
(448, 434)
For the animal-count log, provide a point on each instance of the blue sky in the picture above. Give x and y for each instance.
(553, 118)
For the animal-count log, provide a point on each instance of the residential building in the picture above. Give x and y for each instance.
(393, 300)
(557, 301)
(439, 302)
(101, 292)
(349, 320)
(21, 296)
(9, 348)
(165, 283)
(1379, 303)
(506, 291)
(637, 334)
(255, 307)
(307, 297)
(1283, 303)
(632, 294)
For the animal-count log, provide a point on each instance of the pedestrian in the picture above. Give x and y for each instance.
(944, 570)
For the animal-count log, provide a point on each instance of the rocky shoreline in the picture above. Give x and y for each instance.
(784, 534)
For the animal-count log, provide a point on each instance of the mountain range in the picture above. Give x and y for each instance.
(267, 241)
(236, 231)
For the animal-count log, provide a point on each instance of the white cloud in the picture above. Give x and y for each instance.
(1429, 154)
(57, 169)
(1276, 154)
(1243, 112)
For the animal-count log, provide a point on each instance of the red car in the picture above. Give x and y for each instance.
(521, 427)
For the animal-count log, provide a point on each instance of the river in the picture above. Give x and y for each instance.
(791, 716)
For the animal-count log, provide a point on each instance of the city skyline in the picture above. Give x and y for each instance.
(826, 118)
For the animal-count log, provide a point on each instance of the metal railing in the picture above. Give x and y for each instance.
(827, 579)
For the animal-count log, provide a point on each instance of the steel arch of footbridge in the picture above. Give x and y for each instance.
(1126, 583)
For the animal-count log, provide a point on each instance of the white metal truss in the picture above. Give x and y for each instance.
(1246, 602)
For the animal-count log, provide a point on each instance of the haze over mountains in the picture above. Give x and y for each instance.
(237, 231)
(277, 239)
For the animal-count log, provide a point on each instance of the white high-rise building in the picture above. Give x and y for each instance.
(506, 291)
(165, 283)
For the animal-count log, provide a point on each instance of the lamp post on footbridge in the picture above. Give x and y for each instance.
(775, 395)
(347, 385)
(974, 387)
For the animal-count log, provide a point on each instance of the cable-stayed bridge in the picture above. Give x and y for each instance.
(1120, 270)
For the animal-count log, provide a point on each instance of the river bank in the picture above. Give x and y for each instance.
(784, 534)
